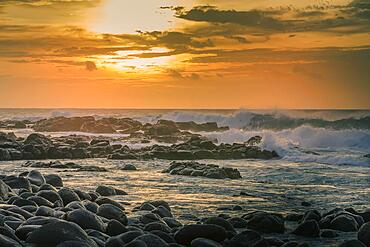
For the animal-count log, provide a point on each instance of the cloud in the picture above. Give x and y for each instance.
(285, 19)
(90, 66)
(181, 76)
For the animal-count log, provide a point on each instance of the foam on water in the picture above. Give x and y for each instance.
(308, 144)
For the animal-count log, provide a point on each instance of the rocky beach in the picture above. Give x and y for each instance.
(87, 181)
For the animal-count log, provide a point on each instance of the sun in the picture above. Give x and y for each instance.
(129, 61)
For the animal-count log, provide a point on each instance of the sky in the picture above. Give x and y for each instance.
(296, 54)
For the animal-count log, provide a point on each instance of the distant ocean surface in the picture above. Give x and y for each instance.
(336, 137)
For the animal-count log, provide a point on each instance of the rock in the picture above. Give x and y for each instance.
(203, 242)
(364, 234)
(112, 212)
(36, 178)
(115, 228)
(68, 195)
(162, 212)
(344, 223)
(85, 219)
(38, 139)
(238, 222)
(57, 232)
(190, 232)
(6, 241)
(50, 195)
(109, 191)
(123, 238)
(152, 240)
(308, 228)
(220, 222)
(4, 190)
(328, 233)
(17, 182)
(245, 238)
(197, 169)
(129, 167)
(266, 223)
(352, 243)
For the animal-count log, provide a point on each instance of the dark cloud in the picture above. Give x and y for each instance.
(90, 66)
(314, 18)
(182, 76)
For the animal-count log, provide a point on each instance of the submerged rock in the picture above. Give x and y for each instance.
(196, 169)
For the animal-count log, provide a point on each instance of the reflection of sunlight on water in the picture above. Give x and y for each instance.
(269, 185)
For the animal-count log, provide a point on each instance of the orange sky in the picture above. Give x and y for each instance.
(185, 54)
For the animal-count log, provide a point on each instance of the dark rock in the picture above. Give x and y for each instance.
(266, 223)
(328, 233)
(152, 240)
(85, 219)
(352, 243)
(122, 239)
(364, 234)
(190, 232)
(308, 228)
(112, 212)
(129, 167)
(197, 169)
(344, 223)
(36, 178)
(68, 195)
(109, 191)
(57, 232)
(245, 239)
(220, 222)
(6, 241)
(17, 182)
(114, 228)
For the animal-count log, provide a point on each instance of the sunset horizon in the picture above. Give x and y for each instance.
(184, 123)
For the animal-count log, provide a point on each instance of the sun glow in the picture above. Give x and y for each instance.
(130, 61)
(126, 16)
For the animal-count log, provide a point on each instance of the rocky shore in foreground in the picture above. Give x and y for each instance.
(37, 147)
(38, 210)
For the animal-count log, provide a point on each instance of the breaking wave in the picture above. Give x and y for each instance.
(308, 144)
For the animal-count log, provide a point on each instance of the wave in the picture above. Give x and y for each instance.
(276, 120)
(307, 144)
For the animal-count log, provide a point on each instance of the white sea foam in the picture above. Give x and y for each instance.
(301, 144)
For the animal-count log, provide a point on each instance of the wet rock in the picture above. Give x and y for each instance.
(190, 232)
(68, 195)
(364, 234)
(203, 242)
(57, 232)
(112, 212)
(129, 167)
(109, 191)
(36, 178)
(85, 219)
(4, 190)
(245, 238)
(197, 169)
(264, 222)
(152, 240)
(123, 239)
(238, 222)
(344, 223)
(17, 182)
(328, 233)
(114, 228)
(308, 228)
(220, 222)
(352, 243)
(6, 241)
